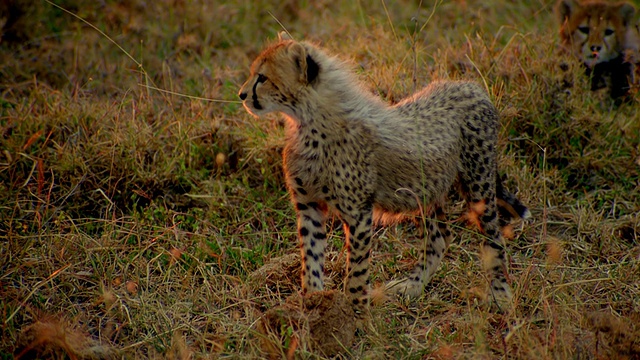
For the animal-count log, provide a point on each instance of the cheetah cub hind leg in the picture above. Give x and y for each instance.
(435, 247)
(500, 294)
(407, 287)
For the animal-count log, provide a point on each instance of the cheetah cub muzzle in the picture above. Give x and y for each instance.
(350, 153)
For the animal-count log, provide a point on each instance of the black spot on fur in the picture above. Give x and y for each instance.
(488, 217)
(367, 240)
(360, 273)
(304, 231)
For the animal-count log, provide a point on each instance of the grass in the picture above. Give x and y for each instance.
(131, 219)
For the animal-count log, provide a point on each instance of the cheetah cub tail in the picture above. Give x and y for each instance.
(509, 206)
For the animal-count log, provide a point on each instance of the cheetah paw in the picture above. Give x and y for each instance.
(500, 295)
(404, 287)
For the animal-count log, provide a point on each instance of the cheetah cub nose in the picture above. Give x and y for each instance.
(242, 95)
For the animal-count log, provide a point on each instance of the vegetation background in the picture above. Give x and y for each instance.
(138, 198)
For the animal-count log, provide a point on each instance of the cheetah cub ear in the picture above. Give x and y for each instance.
(283, 35)
(308, 68)
(627, 12)
(564, 9)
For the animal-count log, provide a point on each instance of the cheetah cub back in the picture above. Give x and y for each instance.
(350, 153)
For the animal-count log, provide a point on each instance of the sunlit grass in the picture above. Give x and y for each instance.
(138, 198)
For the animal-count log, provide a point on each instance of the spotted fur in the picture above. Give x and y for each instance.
(349, 152)
(604, 36)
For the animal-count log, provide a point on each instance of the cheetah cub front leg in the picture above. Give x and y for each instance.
(358, 231)
(311, 217)
(311, 231)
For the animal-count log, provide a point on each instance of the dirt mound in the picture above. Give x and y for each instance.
(321, 322)
(281, 275)
(621, 336)
(50, 336)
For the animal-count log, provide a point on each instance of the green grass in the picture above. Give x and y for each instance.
(131, 219)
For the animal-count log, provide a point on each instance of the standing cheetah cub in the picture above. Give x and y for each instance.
(349, 152)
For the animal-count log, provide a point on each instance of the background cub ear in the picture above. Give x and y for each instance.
(307, 67)
(564, 9)
(627, 12)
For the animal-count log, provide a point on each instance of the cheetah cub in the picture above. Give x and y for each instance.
(349, 152)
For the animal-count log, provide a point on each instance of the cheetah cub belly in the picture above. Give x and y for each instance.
(349, 152)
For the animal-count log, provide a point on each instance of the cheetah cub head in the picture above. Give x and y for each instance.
(595, 31)
(279, 77)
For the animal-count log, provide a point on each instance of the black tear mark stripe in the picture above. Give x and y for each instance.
(254, 96)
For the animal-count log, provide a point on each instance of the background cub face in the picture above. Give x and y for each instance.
(274, 81)
(594, 31)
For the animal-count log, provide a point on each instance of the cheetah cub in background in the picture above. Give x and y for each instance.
(349, 152)
(605, 36)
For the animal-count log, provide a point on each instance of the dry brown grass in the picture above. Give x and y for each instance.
(133, 221)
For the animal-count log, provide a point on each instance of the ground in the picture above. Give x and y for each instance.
(143, 212)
